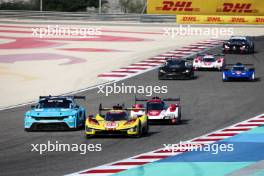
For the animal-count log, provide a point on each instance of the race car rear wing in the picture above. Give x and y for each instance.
(157, 98)
(202, 54)
(229, 66)
(73, 97)
(220, 54)
(118, 107)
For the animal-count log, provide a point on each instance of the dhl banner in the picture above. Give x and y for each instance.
(212, 19)
(206, 7)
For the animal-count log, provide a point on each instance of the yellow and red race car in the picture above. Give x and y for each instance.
(116, 121)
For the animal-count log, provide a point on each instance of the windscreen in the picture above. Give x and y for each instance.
(209, 59)
(116, 116)
(238, 68)
(173, 63)
(54, 103)
(155, 105)
(238, 41)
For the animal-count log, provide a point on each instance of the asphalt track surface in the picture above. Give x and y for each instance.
(208, 104)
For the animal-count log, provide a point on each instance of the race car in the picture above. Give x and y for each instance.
(158, 110)
(239, 44)
(176, 69)
(117, 121)
(55, 113)
(209, 62)
(239, 71)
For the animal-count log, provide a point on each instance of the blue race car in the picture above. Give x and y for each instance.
(55, 113)
(239, 71)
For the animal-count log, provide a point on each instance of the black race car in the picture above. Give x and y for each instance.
(238, 44)
(176, 69)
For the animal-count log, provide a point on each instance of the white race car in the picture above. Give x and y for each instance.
(157, 109)
(209, 62)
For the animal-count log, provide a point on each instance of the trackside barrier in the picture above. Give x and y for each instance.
(207, 7)
(216, 19)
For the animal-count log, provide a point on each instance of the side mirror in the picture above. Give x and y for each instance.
(33, 106)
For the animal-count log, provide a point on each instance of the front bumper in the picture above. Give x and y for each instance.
(127, 132)
(236, 78)
(240, 77)
(235, 50)
(33, 124)
(161, 117)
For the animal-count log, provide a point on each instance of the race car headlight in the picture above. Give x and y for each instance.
(71, 118)
(134, 129)
(162, 71)
(226, 46)
(187, 71)
(28, 116)
(87, 129)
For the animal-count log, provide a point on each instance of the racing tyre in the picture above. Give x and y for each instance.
(179, 116)
(83, 122)
(139, 131)
(253, 49)
(146, 130)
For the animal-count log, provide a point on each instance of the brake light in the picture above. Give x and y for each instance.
(93, 121)
(196, 61)
(219, 61)
(131, 121)
(172, 107)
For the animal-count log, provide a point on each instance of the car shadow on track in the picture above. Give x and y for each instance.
(160, 123)
(122, 136)
(55, 130)
(183, 79)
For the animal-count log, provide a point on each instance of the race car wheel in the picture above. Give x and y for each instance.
(82, 126)
(139, 131)
(253, 49)
(179, 120)
(146, 130)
